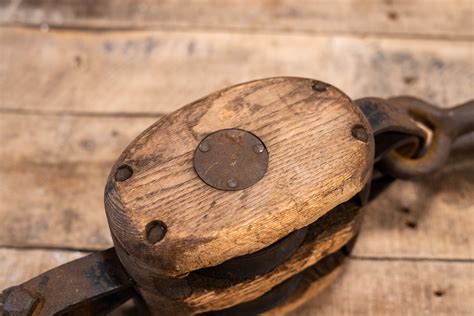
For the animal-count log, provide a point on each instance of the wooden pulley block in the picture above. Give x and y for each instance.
(243, 202)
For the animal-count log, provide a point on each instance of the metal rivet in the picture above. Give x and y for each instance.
(204, 147)
(123, 173)
(155, 231)
(232, 183)
(359, 132)
(19, 301)
(258, 148)
(320, 86)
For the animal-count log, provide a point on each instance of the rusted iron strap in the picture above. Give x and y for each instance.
(71, 286)
(446, 126)
(391, 126)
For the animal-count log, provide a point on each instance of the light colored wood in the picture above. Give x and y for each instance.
(397, 288)
(157, 71)
(54, 170)
(62, 139)
(54, 205)
(434, 18)
(206, 226)
(18, 266)
(432, 218)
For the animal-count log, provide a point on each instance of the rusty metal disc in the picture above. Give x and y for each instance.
(231, 159)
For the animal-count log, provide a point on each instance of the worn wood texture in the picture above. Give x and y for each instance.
(59, 89)
(206, 296)
(20, 265)
(54, 172)
(205, 226)
(367, 287)
(386, 287)
(156, 71)
(54, 147)
(434, 18)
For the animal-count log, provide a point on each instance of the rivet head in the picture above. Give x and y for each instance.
(123, 173)
(232, 183)
(155, 231)
(258, 148)
(320, 86)
(359, 132)
(204, 147)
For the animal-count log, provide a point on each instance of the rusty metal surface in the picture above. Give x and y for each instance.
(391, 126)
(446, 125)
(231, 159)
(70, 286)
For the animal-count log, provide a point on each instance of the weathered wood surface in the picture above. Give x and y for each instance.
(434, 18)
(389, 287)
(69, 101)
(156, 71)
(205, 226)
(42, 152)
(367, 287)
(53, 174)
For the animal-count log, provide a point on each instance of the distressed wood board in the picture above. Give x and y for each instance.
(434, 18)
(158, 71)
(366, 287)
(79, 82)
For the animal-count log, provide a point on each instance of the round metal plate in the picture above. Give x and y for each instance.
(231, 159)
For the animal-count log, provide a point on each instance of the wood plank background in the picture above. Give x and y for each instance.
(80, 79)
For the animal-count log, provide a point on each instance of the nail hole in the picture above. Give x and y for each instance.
(359, 132)
(155, 231)
(392, 15)
(78, 60)
(123, 173)
(409, 79)
(439, 293)
(411, 224)
(405, 210)
(320, 86)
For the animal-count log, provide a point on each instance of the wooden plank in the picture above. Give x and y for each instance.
(430, 218)
(54, 205)
(367, 287)
(54, 172)
(62, 139)
(63, 161)
(155, 71)
(397, 288)
(435, 18)
(20, 265)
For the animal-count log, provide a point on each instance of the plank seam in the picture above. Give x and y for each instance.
(237, 30)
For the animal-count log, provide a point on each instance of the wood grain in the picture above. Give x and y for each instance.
(20, 265)
(205, 226)
(54, 170)
(397, 288)
(155, 71)
(380, 287)
(207, 295)
(34, 147)
(430, 218)
(435, 18)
